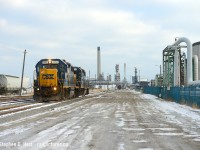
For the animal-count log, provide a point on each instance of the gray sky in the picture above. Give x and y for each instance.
(128, 31)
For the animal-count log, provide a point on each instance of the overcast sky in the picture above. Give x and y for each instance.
(128, 31)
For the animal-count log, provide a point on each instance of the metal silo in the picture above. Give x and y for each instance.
(196, 51)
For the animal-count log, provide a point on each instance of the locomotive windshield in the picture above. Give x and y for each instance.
(47, 67)
(50, 66)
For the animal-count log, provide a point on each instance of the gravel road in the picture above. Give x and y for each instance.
(118, 120)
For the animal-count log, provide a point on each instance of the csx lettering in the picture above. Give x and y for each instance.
(47, 76)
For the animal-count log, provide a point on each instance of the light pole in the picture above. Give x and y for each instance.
(22, 73)
(160, 69)
(159, 77)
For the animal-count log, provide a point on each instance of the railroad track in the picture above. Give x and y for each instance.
(16, 105)
(13, 109)
(2, 99)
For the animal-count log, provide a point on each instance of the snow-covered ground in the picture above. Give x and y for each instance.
(168, 107)
(120, 120)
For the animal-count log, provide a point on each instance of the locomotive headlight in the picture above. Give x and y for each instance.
(38, 89)
(54, 88)
(49, 61)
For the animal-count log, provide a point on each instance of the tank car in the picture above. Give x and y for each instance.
(12, 84)
(57, 79)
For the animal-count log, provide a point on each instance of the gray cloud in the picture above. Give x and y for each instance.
(132, 32)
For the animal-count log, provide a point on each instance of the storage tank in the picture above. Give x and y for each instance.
(10, 83)
(196, 51)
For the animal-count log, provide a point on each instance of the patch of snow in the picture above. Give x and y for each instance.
(139, 141)
(197, 139)
(121, 146)
(130, 120)
(22, 107)
(135, 92)
(114, 131)
(145, 149)
(190, 136)
(163, 129)
(75, 118)
(140, 133)
(118, 111)
(133, 124)
(118, 115)
(17, 130)
(168, 134)
(106, 117)
(133, 129)
(163, 125)
(76, 127)
(2, 96)
(168, 107)
(120, 123)
(69, 132)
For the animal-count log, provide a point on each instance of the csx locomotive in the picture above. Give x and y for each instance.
(57, 79)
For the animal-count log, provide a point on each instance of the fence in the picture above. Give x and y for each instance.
(187, 95)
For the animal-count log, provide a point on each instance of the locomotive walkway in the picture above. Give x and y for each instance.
(121, 120)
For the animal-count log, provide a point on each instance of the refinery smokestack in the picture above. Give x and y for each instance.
(124, 71)
(98, 63)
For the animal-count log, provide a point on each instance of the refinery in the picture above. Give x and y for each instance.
(178, 80)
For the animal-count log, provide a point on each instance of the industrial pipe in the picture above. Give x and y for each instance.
(176, 69)
(189, 56)
(196, 75)
(185, 69)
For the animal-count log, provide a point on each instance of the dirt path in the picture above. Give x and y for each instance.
(121, 120)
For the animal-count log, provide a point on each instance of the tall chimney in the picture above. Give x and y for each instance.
(98, 63)
(124, 71)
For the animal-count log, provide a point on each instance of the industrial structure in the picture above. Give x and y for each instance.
(124, 71)
(98, 64)
(174, 63)
(99, 79)
(117, 75)
(181, 79)
(124, 82)
(196, 60)
(135, 78)
(179, 70)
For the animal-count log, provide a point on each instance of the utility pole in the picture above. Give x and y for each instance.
(139, 75)
(22, 73)
(89, 75)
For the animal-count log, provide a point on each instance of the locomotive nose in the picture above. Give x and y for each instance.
(48, 77)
